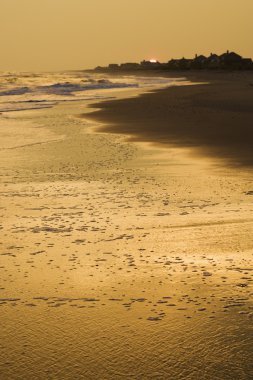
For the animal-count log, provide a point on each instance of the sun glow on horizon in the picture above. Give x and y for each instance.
(68, 43)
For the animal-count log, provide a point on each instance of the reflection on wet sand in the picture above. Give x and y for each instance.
(215, 119)
(119, 260)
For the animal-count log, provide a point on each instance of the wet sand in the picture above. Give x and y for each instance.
(120, 259)
(214, 119)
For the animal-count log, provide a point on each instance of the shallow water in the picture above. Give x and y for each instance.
(120, 260)
(24, 91)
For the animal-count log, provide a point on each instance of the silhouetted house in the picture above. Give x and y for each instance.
(212, 62)
(179, 64)
(173, 64)
(150, 65)
(226, 61)
(230, 60)
(113, 66)
(185, 64)
(100, 68)
(247, 64)
(130, 66)
(230, 57)
(198, 62)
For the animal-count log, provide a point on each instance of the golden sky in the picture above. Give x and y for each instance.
(74, 34)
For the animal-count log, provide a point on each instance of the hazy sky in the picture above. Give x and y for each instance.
(74, 34)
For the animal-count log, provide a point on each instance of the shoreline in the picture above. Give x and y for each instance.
(106, 242)
(213, 119)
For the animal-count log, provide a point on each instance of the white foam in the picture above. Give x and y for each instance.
(25, 91)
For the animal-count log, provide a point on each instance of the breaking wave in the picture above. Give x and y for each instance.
(25, 91)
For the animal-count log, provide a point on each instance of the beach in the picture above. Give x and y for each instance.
(214, 119)
(126, 227)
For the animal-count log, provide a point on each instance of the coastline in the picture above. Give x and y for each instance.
(120, 261)
(214, 119)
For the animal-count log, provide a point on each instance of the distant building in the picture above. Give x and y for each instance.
(226, 61)
(198, 62)
(113, 66)
(173, 64)
(130, 66)
(230, 60)
(230, 57)
(185, 63)
(247, 64)
(99, 68)
(212, 62)
(179, 64)
(152, 64)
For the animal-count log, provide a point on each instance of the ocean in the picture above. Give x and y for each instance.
(25, 91)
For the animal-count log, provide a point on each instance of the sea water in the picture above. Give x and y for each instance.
(24, 91)
(116, 262)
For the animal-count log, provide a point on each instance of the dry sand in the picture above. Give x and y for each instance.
(121, 259)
